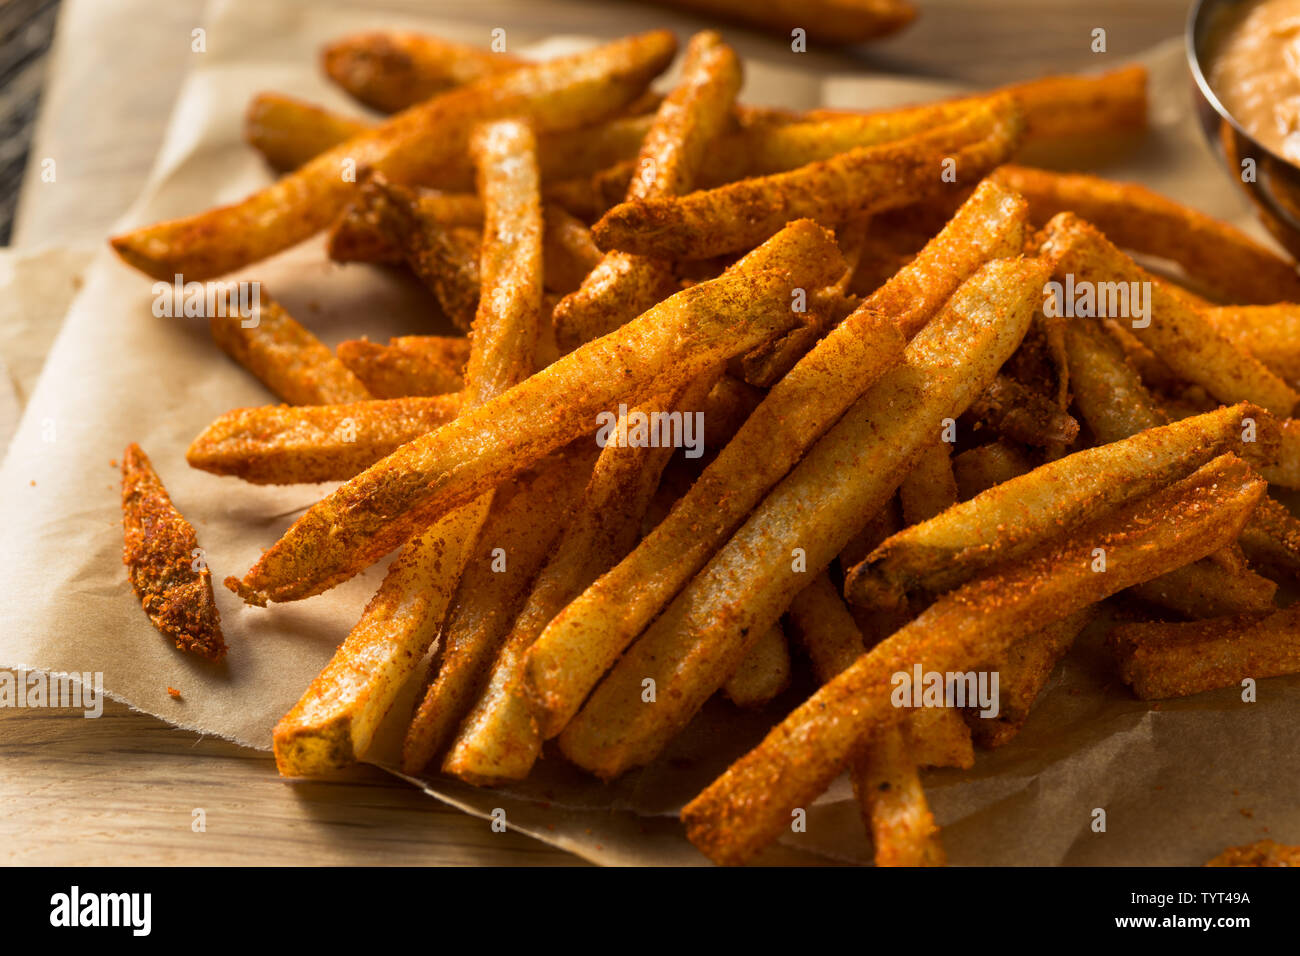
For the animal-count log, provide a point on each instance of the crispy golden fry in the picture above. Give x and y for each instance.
(1271, 333)
(979, 469)
(1013, 518)
(672, 343)
(1021, 414)
(1175, 330)
(288, 444)
(411, 147)
(409, 365)
(1176, 660)
(389, 70)
(1023, 671)
(623, 286)
(1207, 589)
(1271, 539)
(289, 132)
(1107, 388)
(499, 739)
(802, 524)
(885, 779)
(742, 811)
(164, 562)
(762, 673)
(359, 235)
(587, 637)
(1287, 470)
(285, 357)
(1259, 853)
(848, 186)
(930, 488)
(522, 533)
(581, 643)
(826, 21)
(1213, 253)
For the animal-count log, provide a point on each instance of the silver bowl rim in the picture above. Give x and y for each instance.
(1194, 17)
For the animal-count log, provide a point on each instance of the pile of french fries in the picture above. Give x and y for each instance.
(910, 459)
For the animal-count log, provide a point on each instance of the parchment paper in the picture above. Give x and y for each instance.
(1179, 781)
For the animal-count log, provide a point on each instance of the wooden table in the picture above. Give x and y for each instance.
(121, 789)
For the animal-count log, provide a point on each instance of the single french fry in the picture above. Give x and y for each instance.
(587, 637)
(569, 254)
(1023, 672)
(359, 235)
(1213, 253)
(289, 132)
(159, 552)
(896, 814)
(930, 488)
(1287, 470)
(749, 805)
(1021, 414)
(979, 469)
(762, 673)
(389, 70)
(521, 532)
(1176, 660)
(1271, 333)
(1175, 330)
(499, 739)
(673, 342)
(825, 21)
(285, 357)
(803, 523)
(623, 286)
(290, 444)
(411, 147)
(1107, 388)
(1206, 589)
(1271, 539)
(409, 365)
(848, 186)
(1011, 519)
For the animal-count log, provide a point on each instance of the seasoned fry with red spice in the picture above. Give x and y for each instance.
(409, 365)
(1177, 660)
(164, 562)
(748, 806)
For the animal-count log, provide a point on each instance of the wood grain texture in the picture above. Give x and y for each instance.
(121, 789)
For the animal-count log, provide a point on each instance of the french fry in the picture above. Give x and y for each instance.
(586, 638)
(285, 357)
(1176, 331)
(334, 722)
(1177, 660)
(1011, 519)
(1271, 539)
(885, 779)
(1023, 672)
(930, 488)
(1271, 333)
(672, 343)
(409, 365)
(524, 530)
(499, 739)
(762, 673)
(1219, 256)
(802, 524)
(411, 147)
(359, 235)
(826, 21)
(623, 286)
(848, 186)
(1287, 470)
(569, 254)
(1259, 853)
(389, 70)
(289, 132)
(1021, 414)
(1108, 390)
(749, 805)
(290, 444)
(1206, 589)
(159, 551)
(979, 469)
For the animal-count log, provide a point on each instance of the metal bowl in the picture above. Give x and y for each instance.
(1270, 181)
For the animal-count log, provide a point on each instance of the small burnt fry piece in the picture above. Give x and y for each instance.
(159, 554)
